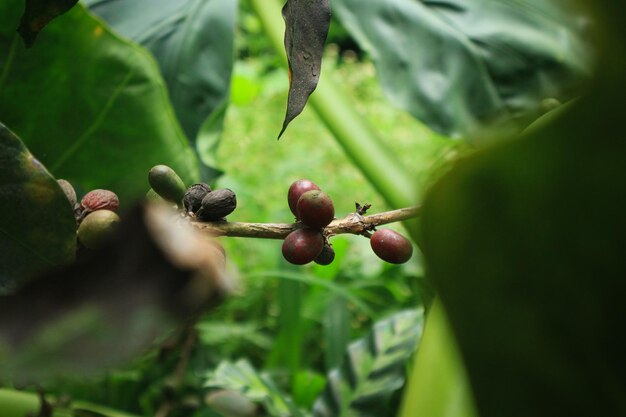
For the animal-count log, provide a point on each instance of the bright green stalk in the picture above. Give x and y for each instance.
(368, 152)
(20, 404)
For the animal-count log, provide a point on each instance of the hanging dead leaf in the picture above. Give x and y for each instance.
(306, 28)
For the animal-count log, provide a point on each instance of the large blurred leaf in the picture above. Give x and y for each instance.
(525, 242)
(460, 65)
(193, 42)
(92, 107)
(38, 13)
(373, 369)
(37, 225)
(109, 307)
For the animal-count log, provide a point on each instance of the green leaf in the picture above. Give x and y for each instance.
(373, 370)
(306, 28)
(193, 43)
(242, 377)
(37, 225)
(90, 105)
(37, 14)
(460, 66)
(525, 242)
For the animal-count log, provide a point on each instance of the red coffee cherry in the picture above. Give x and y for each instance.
(315, 209)
(302, 246)
(326, 256)
(296, 190)
(391, 246)
(100, 200)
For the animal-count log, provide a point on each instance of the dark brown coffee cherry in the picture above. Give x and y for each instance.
(216, 205)
(391, 246)
(295, 192)
(166, 183)
(194, 195)
(97, 227)
(99, 200)
(326, 256)
(302, 246)
(315, 209)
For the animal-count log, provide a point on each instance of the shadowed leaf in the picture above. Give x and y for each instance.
(37, 14)
(373, 369)
(108, 308)
(306, 28)
(37, 225)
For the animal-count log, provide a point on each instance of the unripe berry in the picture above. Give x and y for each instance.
(194, 195)
(326, 256)
(99, 200)
(302, 246)
(295, 192)
(97, 227)
(315, 209)
(166, 183)
(391, 246)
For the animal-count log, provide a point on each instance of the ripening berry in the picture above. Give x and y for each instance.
(391, 246)
(97, 227)
(315, 209)
(166, 183)
(296, 190)
(99, 200)
(326, 256)
(302, 246)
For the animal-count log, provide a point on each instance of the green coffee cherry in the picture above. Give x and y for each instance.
(166, 183)
(97, 227)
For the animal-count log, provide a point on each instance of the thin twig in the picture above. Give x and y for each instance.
(353, 223)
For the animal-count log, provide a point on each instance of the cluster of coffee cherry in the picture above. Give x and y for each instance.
(198, 200)
(96, 214)
(314, 210)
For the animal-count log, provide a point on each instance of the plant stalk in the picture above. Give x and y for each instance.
(353, 223)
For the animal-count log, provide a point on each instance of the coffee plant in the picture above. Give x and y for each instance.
(141, 276)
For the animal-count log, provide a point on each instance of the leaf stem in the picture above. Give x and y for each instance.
(353, 223)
